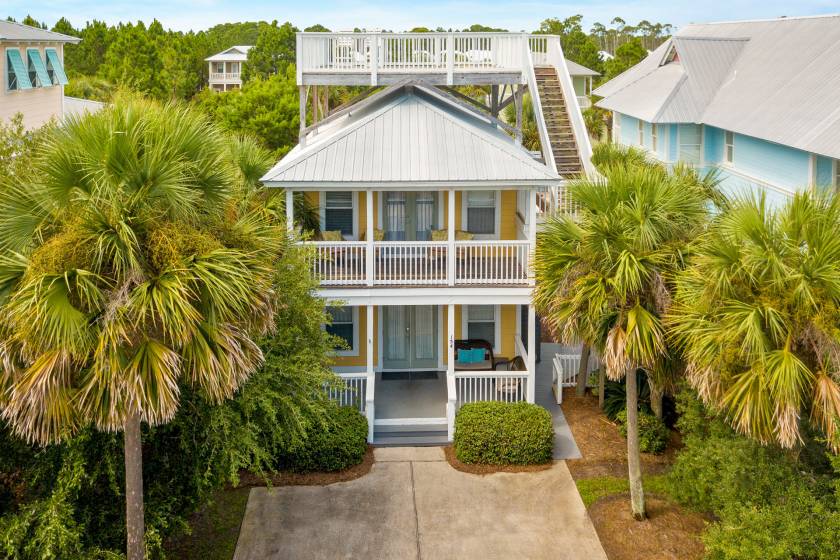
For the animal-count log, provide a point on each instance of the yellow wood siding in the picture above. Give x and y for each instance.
(361, 359)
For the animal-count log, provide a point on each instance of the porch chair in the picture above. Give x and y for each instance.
(511, 386)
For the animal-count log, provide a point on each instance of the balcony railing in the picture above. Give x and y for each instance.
(421, 263)
(225, 77)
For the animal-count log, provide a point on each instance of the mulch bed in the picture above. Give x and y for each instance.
(669, 533)
(453, 461)
(604, 450)
(288, 478)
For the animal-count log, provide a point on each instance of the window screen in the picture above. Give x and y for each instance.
(338, 214)
(481, 212)
(481, 323)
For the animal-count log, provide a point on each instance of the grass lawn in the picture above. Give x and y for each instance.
(593, 489)
(214, 529)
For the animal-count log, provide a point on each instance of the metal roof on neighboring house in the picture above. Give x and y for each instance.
(410, 136)
(77, 107)
(777, 80)
(236, 53)
(11, 31)
(576, 69)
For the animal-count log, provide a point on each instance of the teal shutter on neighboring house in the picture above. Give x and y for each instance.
(18, 77)
(36, 64)
(54, 65)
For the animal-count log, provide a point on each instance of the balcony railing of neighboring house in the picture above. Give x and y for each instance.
(225, 76)
(584, 101)
(421, 263)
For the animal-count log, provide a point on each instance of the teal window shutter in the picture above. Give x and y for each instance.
(54, 66)
(37, 69)
(17, 78)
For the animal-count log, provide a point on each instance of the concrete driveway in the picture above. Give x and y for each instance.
(414, 505)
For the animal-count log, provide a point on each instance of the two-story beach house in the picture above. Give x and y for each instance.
(428, 208)
(225, 68)
(32, 69)
(756, 100)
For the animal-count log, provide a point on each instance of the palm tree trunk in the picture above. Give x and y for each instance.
(634, 459)
(656, 394)
(580, 389)
(602, 379)
(133, 488)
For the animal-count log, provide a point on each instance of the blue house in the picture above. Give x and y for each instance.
(757, 100)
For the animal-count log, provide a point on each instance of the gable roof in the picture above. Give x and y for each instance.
(14, 31)
(236, 53)
(576, 69)
(409, 136)
(777, 80)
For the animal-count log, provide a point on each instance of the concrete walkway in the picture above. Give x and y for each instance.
(414, 505)
(564, 443)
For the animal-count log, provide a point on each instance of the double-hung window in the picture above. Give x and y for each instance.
(837, 173)
(729, 147)
(17, 78)
(654, 137)
(338, 212)
(641, 133)
(481, 212)
(343, 326)
(691, 143)
(481, 323)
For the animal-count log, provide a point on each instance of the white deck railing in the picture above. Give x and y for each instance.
(565, 368)
(352, 393)
(421, 263)
(224, 76)
(503, 386)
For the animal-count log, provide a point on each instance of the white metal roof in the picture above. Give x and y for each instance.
(410, 137)
(12, 31)
(236, 53)
(576, 69)
(76, 107)
(772, 79)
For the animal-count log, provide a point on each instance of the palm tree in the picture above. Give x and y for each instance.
(603, 276)
(137, 261)
(757, 315)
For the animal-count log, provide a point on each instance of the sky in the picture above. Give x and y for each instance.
(396, 15)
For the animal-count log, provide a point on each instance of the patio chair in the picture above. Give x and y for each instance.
(511, 386)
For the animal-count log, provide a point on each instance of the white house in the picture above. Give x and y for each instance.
(429, 210)
(32, 67)
(225, 68)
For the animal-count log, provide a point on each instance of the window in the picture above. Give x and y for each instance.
(691, 137)
(654, 136)
(729, 146)
(641, 133)
(481, 212)
(54, 68)
(219, 68)
(338, 212)
(837, 172)
(17, 78)
(344, 326)
(481, 323)
(617, 127)
(38, 75)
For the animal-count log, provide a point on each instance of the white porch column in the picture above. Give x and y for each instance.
(290, 210)
(532, 353)
(450, 371)
(532, 233)
(450, 238)
(369, 251)
(371, 376)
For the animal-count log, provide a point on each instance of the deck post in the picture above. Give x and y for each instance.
(450, 239)
(532, 233)
(371, 376)
(369, 254)
(450, 59)
(450, 371)
(532, 353)
(302, 117)
(374, 59)
(517, 100)
(290, 210)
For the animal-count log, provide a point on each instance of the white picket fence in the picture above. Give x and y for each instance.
(565, 368)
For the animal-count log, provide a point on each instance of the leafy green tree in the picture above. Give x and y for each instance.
(273, 52)
(603, 275)
(627, 55)
(317, 28)
(133, 268)
(756, 314)
(577, 45)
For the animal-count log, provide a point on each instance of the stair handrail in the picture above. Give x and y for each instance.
(542, 128)
(555, 57)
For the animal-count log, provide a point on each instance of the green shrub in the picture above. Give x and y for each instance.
(337, 444)
(653, 434)
(615, 395)
(497, 433)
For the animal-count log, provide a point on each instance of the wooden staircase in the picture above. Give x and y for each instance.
(559, 128)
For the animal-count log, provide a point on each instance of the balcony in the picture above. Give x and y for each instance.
(421, 263)
(225, 77)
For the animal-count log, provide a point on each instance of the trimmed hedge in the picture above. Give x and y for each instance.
(497, 433)
(653, 434)
(336, 445)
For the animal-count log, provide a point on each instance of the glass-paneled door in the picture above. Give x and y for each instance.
(409, 216)
(409, 337)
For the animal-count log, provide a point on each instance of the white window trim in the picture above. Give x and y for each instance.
(354, 350)
(322, 210)
(497, 218)
(641, 132)
(726, 159)
(654, 137)
(497, 314)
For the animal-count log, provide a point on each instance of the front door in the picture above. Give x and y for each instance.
(409, 216)
(409, 337)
